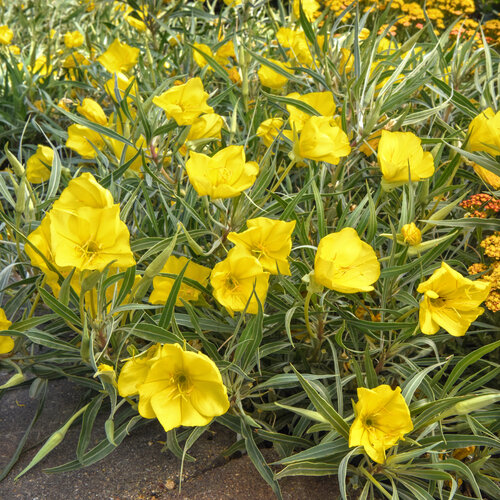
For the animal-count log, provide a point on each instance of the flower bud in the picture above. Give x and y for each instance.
(411, 234)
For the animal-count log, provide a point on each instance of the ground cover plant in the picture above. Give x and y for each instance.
(277, 216)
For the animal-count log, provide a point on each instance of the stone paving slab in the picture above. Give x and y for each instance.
(137, 469)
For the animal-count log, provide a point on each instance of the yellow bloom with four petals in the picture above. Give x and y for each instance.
(382, 419)
(345, 263)
(322, 139)
(269, 241)
(224, 175)
(184, 103)
(401, 156)
(175, 386)
(450, 301)
(234, 280)
(119, 57)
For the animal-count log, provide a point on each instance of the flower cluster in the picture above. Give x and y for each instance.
(481, 205)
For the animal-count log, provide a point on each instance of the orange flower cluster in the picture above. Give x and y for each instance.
(481, 205)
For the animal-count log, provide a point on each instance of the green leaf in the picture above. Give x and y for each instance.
(258, 460)
(324, 408)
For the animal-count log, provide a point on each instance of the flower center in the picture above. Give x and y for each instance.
(183, 384)
(231, 282)
(90, 250)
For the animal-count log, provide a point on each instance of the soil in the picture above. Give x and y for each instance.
(137, 469)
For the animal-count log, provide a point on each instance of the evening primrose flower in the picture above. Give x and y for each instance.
(179, 388)
(484, 136)
(205, 127)
(120, 149)
(6, 343)
(134, 371)
(269, 241)
(450, 301)
(224, 175)
(198, 50)
(309, 7)
(184, 103)
(38, 165)
(73, 39)
(234, 280)
(400, 156)
(84, 141)
(119, 57)
(163, 285)
(84, 191)
(322, 139)
(90, 238)
(270, 129)
(270, 78)
(119, 85)
(322, 102)
(6, 35)
(92, 111)
(382, 419)
(345, 263)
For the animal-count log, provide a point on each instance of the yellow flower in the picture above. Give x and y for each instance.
(346, 61)
(82, 230)
(484, 133)
(41, 67)
(269, 241)
(411, 234)
(400, 156)
(322, 102)
(345, 263)
(134, 371)
(322, 139)
(74, 60)
(119, 57)
(272, 79)
(6, 35)
(382, 419)
(234, 279)
(14, 49)
(84, 191)
(184, 103)
(205, 127)
(84, 141)
(198, 57)
(225, 175)
(40, 239)
(136, 23)
(450, 301)
(224, 52)
(73, 39)
(118, 148)
(310, 8)
(38, 165)
(92, 111)
(174, 265)
(270, 129)
(6, 343)
(90, 238)
(484, 136)
(119, 84)
(178, 388)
